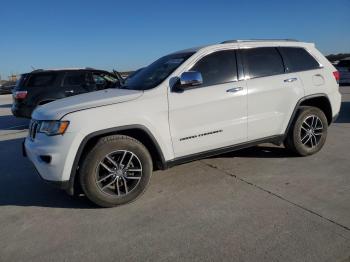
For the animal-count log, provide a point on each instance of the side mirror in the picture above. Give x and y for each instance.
(190, 78)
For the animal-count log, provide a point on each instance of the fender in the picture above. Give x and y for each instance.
(70, 189)
(297, 106)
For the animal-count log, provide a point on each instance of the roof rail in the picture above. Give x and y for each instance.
(259, 40)
(37, 70)
(62, 69)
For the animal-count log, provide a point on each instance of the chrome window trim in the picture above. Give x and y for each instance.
(247, 76)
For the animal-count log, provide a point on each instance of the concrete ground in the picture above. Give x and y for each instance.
(258, 204)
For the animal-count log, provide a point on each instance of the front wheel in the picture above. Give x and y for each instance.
(116, 171)
(308, 133)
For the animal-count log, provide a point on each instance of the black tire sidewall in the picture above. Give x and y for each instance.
(92, 160)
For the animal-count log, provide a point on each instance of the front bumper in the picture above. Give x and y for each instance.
(335, 117)
(53, 157)
(63, 185)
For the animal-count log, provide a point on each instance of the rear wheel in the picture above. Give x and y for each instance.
(116, 171)
(308, 132)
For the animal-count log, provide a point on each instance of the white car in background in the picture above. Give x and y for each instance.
(185, 106)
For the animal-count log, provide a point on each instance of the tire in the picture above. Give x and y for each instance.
(98, 171)
(306, 137)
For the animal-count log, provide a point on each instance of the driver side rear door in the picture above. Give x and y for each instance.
(76, 82)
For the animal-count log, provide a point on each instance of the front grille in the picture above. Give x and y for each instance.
(33, 129)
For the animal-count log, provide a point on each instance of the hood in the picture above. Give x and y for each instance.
(57, 109)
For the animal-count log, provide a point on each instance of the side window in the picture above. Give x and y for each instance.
(262, 61)
(38, 80)
(344, 63)
(217, 68)
(298, 59)
(98, 79)
(74, 79)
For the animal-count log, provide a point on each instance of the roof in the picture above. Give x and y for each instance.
(67, 69)
(190, 50)
(258, 40)
(195, 49)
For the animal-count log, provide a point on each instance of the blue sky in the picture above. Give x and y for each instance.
(129, 34)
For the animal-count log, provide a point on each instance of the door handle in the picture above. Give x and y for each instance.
(289, 80)
(234, 89)
(69, 91)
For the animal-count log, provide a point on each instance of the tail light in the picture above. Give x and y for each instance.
(21, 95)
(336, 76)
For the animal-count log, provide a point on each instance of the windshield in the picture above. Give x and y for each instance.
(152, 75)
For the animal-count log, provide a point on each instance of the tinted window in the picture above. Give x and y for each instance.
(217, 68)
(38, 80)
(74, 79)
(22, 81)
(98, 79)
(262, 61)
(344, 63)
(298, 59)
(103, 80)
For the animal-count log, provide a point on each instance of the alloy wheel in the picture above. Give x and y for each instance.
(311, 131)
(119, 173)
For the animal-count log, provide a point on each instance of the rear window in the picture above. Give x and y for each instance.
(298, 59)
(21, 81)
(262, 61)
(39, 80)
(344, 63)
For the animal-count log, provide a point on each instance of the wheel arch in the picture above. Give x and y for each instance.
(320, 101)
(138, 132)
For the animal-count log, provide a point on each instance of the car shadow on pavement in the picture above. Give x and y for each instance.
(344, 114)
(261, 151)
(21, 185)
(9, 122)
(6, 106)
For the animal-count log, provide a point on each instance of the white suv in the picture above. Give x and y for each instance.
(187, 105)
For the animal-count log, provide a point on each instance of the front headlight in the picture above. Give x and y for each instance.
(52, 128)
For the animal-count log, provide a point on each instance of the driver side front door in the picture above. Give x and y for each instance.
(214, 114)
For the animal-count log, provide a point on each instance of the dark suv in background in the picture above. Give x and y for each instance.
(344, 69)
(43, 86)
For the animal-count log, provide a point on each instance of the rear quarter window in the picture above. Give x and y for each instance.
(74, 79)
(344, 63)
(298, 59)
(39, 80)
